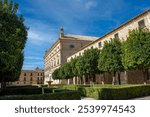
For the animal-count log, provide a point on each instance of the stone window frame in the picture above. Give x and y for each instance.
(141, 24)
(116, 35)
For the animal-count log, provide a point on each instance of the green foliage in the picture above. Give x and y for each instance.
(110, 57)
(67, 71)
(6, 7)
(68, 95)
(90, 57)
(55, 74)
(58, 74)
(111, 92)
(21, 91)
(73, 66)
(23, 86)
(136, 50)
(80, 66)
(122, 93)
(49, 90)
(13, 36)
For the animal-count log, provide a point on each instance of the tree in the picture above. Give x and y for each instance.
(81, 70)
(67, 71)
(136, 51)
(13, 36)
(110, 58)
(90, 58)
(10, 8)
(55, 74)
(73, 66)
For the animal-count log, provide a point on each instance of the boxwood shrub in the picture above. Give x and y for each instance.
(24, 86)
(112, 92)
(121, 93)
(21, 91)
(48, 90)
(68, 95)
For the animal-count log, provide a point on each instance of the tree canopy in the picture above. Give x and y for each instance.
(90, 58)
(8, 7)
(110, 58)
(13, 36)
(136, 50)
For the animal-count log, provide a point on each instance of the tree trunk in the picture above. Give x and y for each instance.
(77, 80)
(68, 81)
(3, 85)
(102, 78)
(114, 78)
(119, 80)
(145, 71)
(74, 80)
(84, 79)
(126, 77)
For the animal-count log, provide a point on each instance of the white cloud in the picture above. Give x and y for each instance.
(33, 58)
(90, 4)
(40, 32)
(28, 67)
(32, 65)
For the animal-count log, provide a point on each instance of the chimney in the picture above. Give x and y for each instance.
(61, 32)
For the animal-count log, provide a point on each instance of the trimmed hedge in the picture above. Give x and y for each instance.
(21, 91)
(68, 95)
(53, 90)
(112, 92)
(25, 86)
(48, 90)
(123, 93)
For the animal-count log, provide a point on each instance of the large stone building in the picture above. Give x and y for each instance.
(140, 21)
(30, 77)
(57, 55)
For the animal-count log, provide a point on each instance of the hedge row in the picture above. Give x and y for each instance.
(124, 92)
(29, 90)
(21, 91)
(68, 95)
(25, 86)
(112, 92)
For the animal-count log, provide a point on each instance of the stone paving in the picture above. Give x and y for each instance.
(142, 98)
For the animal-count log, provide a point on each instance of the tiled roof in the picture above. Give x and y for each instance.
(79, 37)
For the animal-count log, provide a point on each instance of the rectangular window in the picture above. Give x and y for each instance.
(24, 79)
(31, 74)
(141, 24)
(116, 36)
(58, 61)
(24, 74)
(100, 44)
(31, 79)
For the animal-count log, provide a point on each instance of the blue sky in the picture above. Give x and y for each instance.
(82, 17)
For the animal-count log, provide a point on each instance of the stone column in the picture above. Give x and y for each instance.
(126, 77)
(68, 81)
(77, 80)
(74, 80)
(84, 79)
